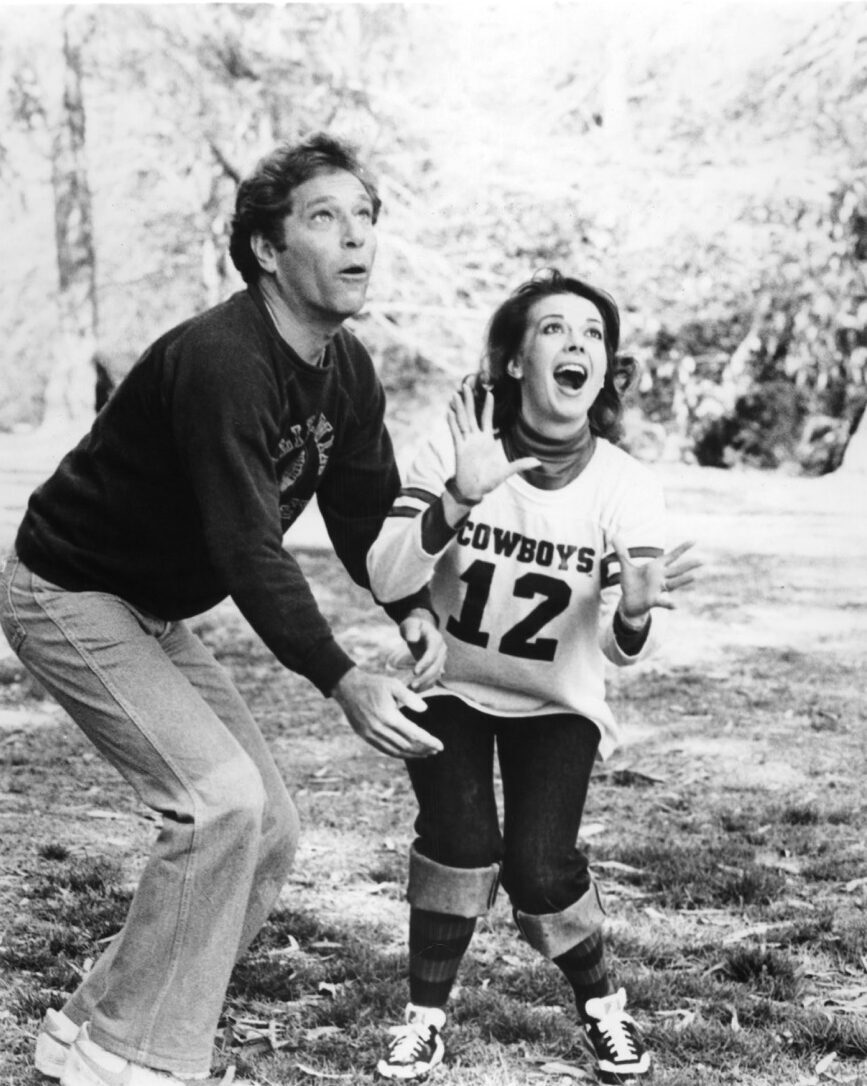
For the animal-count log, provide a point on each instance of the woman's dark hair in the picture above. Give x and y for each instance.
(506, 333)
(265, 197)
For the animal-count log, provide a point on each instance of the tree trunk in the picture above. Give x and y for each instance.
(855, 457)
(70, 393)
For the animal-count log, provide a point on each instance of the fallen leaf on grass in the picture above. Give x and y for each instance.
(685, 1018)
(558, 1067)
(738, 872)
(790, 865)
(626, 777)
(825, 1062)
(255, 1036)
(619, 889)
(291, 1006)
(260, 1047)
(83, 969)
(319, 1032)
(326, 771)
(566, 1070)
(305, 1070)
(616, 865)
(749, 933)
(655, 914)
(821, 720)
(292, 947)
(847, 1000)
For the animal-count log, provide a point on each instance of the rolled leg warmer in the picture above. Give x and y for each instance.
(457, 891)
(552, 934)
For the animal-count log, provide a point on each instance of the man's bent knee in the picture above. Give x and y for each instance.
(232, 794)
(281, 829)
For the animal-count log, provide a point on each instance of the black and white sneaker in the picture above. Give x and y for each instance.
(614, 1039)
(416, 1047)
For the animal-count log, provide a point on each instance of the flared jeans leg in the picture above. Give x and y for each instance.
(159, 708)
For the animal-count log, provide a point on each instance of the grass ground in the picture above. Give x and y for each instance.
(729, 837)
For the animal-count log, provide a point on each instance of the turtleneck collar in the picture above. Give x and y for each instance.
(561, 459)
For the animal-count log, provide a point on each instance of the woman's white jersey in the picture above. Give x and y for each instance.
(527, 589)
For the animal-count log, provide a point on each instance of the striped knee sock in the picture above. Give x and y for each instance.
(437, 943)
(585, 969)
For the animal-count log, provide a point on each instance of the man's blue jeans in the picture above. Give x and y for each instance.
(165, 714)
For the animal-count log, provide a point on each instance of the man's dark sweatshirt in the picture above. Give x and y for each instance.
(206, 453)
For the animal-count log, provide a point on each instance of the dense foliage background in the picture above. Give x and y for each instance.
(705, 163)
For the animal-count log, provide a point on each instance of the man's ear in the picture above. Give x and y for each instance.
(264, 252)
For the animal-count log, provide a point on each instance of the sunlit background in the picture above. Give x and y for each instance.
(703, 162)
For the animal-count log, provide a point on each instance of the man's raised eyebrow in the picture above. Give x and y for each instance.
(331, 198)
(320, 198)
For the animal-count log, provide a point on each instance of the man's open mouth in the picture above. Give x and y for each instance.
(354, 270)
(571, 375)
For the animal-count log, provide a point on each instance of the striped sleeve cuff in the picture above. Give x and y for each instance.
(610, 568)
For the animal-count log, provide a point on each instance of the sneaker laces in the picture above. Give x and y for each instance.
(622, 1041)
(409, 1042)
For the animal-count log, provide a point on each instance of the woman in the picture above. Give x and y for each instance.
(543, 545)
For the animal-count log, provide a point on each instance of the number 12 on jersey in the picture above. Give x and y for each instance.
(521, 640)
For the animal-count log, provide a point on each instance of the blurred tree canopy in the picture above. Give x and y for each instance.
(705, 163)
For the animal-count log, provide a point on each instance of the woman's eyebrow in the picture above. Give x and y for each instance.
(546, 316)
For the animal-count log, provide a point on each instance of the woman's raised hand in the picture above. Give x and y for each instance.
(650, 584)
(480, 460)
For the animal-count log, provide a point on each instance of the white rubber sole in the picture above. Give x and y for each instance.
(50, 1056)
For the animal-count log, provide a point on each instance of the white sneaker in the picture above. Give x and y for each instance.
(416, 1047)
(53, 1043)
(613, 1037)
(88, 1064)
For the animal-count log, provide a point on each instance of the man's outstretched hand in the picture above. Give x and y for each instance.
(372, 706)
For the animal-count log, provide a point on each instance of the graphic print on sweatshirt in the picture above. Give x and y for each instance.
(302, 456)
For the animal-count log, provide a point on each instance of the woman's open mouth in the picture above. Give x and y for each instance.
(571, 375)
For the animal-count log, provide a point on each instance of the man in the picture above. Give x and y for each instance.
(178, 497)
